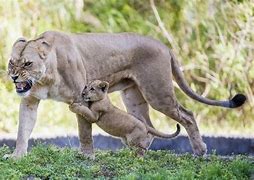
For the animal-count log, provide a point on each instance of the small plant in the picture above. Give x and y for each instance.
(215, 40)
(49, 162)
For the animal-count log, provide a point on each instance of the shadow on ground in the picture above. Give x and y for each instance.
(222, 145)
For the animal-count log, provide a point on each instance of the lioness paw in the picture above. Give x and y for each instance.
(12, 156)
(200, 150)
(88, 155)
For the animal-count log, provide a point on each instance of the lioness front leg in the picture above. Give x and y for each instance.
(27, 119)
(85, 112)
(85, 137)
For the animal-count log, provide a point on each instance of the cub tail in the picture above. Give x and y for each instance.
(163, 135)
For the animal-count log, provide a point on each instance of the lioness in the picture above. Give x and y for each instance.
(55, 65)
(114, 121)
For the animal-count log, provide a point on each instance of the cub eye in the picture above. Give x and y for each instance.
(28, 64)
(85, 87)
(92, 89)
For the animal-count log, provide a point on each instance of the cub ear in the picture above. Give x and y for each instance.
(44, 47)
(85, 87)
(104, 86)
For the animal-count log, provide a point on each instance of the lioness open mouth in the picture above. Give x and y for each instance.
(87, 99)
(24, 86)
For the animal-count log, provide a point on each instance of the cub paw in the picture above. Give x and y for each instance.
(73, 106)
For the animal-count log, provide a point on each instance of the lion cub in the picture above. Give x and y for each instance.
(114, 121)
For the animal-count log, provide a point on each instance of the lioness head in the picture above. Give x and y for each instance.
(95, 91)
(27, 66)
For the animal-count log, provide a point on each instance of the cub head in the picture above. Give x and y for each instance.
(95, 91)
(27, 66)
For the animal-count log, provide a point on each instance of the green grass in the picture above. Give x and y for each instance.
(48, 162)
(215, 40)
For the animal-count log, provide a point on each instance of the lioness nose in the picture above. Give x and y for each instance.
(14, 77)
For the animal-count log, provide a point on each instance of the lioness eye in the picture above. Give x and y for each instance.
(11, 63)
(28, 64)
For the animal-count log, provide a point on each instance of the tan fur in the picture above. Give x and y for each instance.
(139, 66)
(113, 120)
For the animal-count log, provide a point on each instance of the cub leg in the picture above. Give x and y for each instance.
(140, 151)
(138, 140)
(84, 111)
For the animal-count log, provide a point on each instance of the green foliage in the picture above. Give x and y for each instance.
(49, 162)
(215, 40)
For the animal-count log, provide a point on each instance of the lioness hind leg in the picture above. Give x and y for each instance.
(137, 106)
(124, 141)
(159, 93)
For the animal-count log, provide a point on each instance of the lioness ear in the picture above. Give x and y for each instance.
(44, 48)
(18, 46)
(19, 40)
(104, 86)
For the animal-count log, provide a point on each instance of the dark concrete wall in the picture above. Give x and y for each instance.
(222, 145)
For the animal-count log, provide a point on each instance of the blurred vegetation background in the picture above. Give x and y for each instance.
(213, 40)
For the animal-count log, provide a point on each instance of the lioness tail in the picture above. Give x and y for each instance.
(236, 101)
